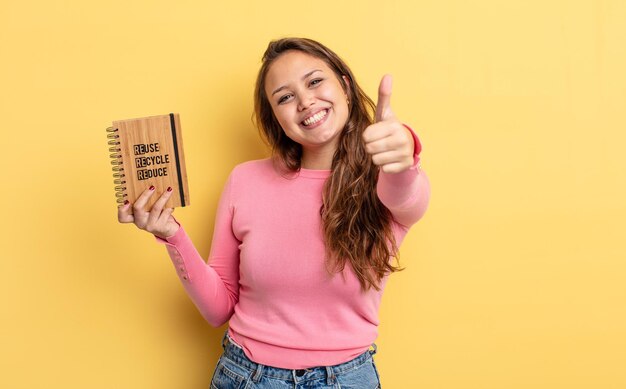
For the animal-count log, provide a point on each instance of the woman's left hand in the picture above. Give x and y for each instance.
(388, 141)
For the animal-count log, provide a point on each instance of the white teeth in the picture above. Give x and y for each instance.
(315, 118)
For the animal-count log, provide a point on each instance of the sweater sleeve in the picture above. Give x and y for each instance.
(214, 286)
(406, 194)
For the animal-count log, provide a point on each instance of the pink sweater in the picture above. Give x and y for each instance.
(265, 273)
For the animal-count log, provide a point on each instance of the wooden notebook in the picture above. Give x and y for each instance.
(149, 151)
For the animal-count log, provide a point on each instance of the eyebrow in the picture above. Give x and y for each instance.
(303, 77)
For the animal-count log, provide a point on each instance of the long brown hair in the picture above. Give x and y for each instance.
(357, 227)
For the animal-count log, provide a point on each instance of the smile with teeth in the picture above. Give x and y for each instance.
(315, 118)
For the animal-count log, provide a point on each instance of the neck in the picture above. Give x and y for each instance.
(317, 159)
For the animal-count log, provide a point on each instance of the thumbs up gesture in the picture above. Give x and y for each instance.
(388, 141)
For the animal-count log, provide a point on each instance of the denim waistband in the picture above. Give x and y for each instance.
(234, 352)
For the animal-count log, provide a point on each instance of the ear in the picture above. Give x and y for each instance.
(346, 82)
(346, 86)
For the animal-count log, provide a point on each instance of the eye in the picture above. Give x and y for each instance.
(282, 99)
(316, 81)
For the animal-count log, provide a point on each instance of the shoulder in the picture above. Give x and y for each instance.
(251, 178)
(253, 168)
(253, 172)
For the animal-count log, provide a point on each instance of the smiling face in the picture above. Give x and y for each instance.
(308, 101)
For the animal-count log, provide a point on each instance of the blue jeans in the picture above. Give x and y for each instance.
(235, 370)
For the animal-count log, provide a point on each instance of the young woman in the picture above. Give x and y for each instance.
(304, 240)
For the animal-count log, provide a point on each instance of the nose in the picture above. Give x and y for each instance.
(305, 100)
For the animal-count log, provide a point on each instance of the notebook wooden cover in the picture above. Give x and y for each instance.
(149, 151)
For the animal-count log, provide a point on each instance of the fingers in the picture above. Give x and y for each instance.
(157, 208)
(153, 221)
(390, 146)
(385, 144)
(139, 215)
(387, 157)
(383, 106)
(386, 140)
(124, 215)
(165, 215)
(392, 161)
(142, 200)
(396, 167)
(378, 131)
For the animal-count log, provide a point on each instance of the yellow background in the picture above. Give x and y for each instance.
(515, 277)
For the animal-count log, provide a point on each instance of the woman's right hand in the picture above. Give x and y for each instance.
(158, 221)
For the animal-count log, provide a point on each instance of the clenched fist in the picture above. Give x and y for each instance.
(388, 141)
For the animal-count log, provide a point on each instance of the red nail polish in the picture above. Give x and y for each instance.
(126, 202)
(169, 188)
(151, 187)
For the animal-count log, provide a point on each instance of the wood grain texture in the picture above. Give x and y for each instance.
(147, 151)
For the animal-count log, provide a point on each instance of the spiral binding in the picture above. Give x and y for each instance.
(117, 164)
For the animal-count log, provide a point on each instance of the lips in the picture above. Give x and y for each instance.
(313, 114)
